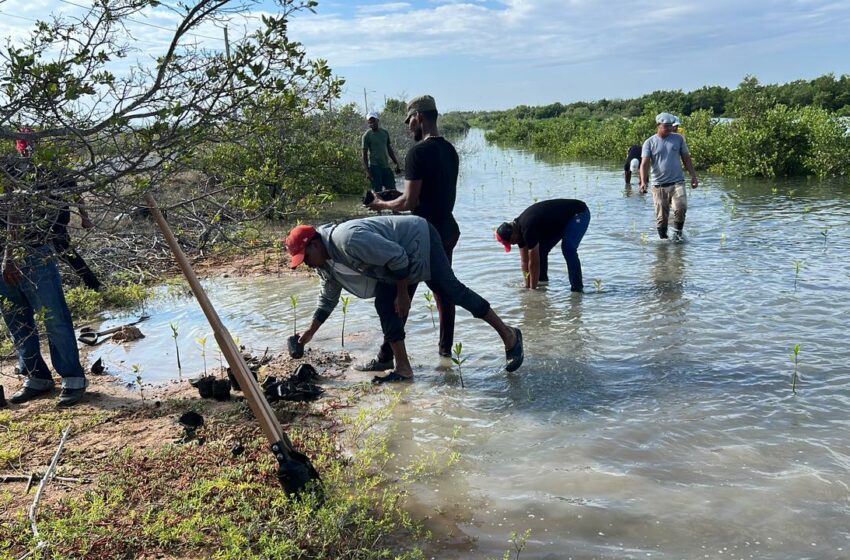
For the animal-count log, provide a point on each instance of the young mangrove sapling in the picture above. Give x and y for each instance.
(795, 357)
(458, 361)
(345, 301)
(174, 327)
(429, 297)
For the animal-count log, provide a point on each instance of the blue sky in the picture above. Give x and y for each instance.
(493, 54)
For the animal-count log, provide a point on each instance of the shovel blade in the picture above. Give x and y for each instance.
(297, 475)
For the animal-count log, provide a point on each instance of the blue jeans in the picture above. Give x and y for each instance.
(570, 240)
(41, 289)
(383, 178)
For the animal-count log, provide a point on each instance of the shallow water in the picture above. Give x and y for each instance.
(653, 418)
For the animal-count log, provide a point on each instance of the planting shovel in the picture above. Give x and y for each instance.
(88, 336)
(295, 472)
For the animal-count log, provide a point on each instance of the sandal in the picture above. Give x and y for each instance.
(391, 377)
(515, 356)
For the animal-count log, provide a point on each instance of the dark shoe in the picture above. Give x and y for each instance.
(70, 397)
(27, 394)
(391, 377)
(662, 232)
(515, 356)
(374, 365)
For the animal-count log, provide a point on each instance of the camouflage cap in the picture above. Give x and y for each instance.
(419, 104)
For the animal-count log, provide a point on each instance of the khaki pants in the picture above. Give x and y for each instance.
(675, 196)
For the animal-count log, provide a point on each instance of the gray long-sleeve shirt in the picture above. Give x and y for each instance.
(370, 250)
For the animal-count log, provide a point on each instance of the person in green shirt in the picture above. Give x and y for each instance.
(377, 152)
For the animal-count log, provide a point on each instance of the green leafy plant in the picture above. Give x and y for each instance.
(137, 371)
(519, 543)
(598, 283)
(429, 298)
(174, 332)
(798, 266)
(346, 300)
(644, 238)
(203, 343)
(458, 360)
(796, 358)
(293, 302)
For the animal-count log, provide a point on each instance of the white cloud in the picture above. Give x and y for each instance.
(383, 8)
(545, 32)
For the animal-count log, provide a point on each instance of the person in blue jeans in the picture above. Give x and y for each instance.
(27, 288)
(538, 229)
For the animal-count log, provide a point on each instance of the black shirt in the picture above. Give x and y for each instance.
(434, 161)
(634, 153)
(546, 220)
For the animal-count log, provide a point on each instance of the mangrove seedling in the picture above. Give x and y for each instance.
(429, 297)
(598, 283)
(345, 301)
(137, 371)
(174, 330)
(458, 360)
(795, 357)
(203, 343)
(644, 238)
(825, 233)
(798, 266)
(519, 542)
(293, 301)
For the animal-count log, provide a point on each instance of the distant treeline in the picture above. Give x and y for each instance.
(798, 128)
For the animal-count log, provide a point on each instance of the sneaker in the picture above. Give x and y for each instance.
(70, 397)
(374, 365)
(26, 394)
(515, 356)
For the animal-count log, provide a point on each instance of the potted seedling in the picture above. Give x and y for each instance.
(205, 384)
(346, 300)
(795, 357)
(429, 297)
(174, 327)
(458, 360)
(296, 349)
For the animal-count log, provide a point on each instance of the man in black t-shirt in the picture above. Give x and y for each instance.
(538, 229)
(430, 189)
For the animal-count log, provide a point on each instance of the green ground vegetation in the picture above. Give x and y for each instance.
(792, 129)
(190, 500)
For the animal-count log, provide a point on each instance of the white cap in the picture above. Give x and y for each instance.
(634, 165)
(665, 118)
(373, 115)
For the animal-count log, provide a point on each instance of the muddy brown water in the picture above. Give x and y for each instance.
(653, 417)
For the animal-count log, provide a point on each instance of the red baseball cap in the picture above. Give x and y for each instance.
(503, 235)
(297, 241)
(23, 146)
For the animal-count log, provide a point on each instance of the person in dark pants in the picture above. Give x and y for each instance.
(382, 256)
(538, 229)
(632, 164)
(430, 189)
(377, 152)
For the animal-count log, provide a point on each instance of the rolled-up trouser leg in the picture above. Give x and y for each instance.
(444, 282)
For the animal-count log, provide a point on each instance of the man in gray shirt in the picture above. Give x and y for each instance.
(664, 153)
(380, 257)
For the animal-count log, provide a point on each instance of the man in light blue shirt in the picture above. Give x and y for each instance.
(664, 154)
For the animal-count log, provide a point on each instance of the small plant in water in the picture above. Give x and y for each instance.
(293, 301)
(137, 371)
(598, 283)
(458, 360)
(519, 543)
(429, 297)
(644, 238)
(174, 331)
(825, 233)
(798, 266)
(203, 342)
(723, 238)
(345, 301)
(795, 357)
